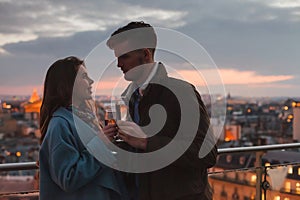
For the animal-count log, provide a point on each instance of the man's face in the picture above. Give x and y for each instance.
(130, 63)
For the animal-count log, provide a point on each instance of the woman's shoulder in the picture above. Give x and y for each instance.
(63, 112)
(61, 119)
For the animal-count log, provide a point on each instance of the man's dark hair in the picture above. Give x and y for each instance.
(146, 36)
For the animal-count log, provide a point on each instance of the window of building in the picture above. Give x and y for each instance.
(235, 195)
(298, 188)
(228, 158)
(223, 193)
(277, 197)
(253, 179)
(290, 170)
(287, 187)
(299, 171)
(242, 160)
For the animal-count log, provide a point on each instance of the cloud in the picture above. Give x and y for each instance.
(20, 90)
(3, 52)
(233, 76)
(64, 18)
(229, 77)
(285, 3)
(110, 86)
(273, 45)
(207, 76)
(80, 44)
(14, 38)
(239, 35)
(273, 85)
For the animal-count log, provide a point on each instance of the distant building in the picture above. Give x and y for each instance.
(232, 132)
(32, 107)
(296, 121)
(34, 96)
(8, 125)
(242, 183)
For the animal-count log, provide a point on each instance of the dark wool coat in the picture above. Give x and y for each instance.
(188, 174)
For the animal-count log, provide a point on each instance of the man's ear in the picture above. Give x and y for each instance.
(148, 55)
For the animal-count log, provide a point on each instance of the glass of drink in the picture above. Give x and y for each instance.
(109, 118)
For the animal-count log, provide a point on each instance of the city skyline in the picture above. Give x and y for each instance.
(253, 43)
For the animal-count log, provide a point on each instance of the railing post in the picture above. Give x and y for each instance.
(258, 165)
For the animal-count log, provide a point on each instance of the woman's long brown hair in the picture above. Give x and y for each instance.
(58, 88)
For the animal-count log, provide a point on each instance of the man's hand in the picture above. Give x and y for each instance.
(110, 131)
(132, 134)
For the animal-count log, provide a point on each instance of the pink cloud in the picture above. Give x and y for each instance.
(229, 77)
(115, 85)
(110, 86)
(279, 86)
(21, 90)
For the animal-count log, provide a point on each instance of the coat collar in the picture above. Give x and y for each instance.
(64, 113)
(158, 73)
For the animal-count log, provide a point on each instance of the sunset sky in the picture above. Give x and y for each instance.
(254, 44)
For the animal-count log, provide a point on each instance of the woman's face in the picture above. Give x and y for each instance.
(82, 86)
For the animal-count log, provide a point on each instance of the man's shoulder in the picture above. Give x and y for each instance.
(180, 84)
(170, 81)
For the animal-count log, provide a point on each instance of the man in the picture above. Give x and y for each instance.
(185, 178)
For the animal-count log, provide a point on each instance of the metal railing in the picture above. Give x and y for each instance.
(259, 148)
(262, 148)
(259, 151)
(18, 166)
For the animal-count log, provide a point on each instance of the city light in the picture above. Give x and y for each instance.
(287, 187)
(18, 154)
(277, 197)
(296, 104)
(290, 170)
(6, 106)
(253, 178)
(272, 108)
(290, 116)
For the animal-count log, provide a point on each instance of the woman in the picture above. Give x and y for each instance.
(67, 169)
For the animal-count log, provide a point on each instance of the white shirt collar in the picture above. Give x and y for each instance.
(143, 86)
(149, 78)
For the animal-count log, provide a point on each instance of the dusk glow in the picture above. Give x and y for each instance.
(253, 43)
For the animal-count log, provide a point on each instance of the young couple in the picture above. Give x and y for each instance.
(68, 169)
